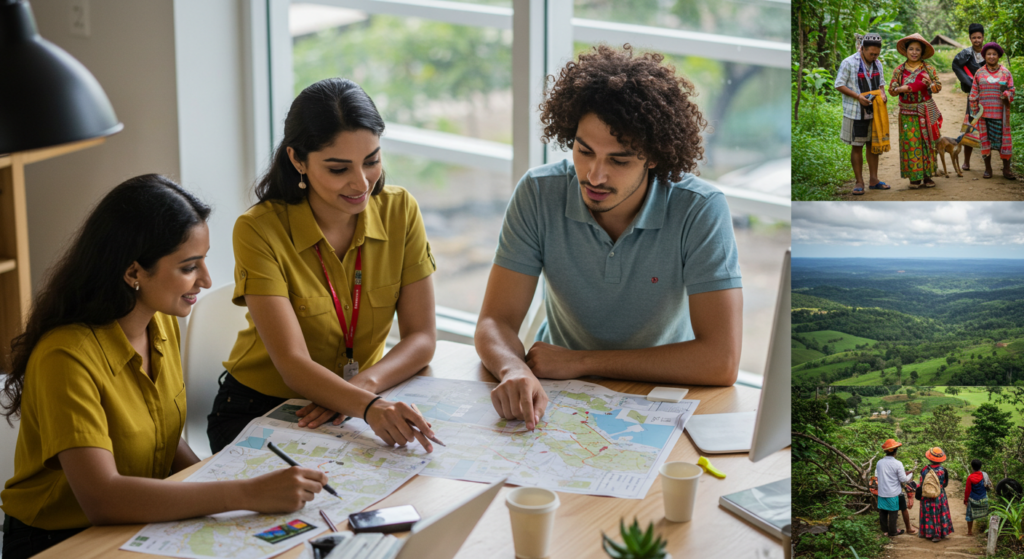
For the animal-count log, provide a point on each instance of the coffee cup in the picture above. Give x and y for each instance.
(532, 511)
(679, 489)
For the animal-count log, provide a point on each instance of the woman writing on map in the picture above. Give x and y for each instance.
(323, 262)
(96, 380)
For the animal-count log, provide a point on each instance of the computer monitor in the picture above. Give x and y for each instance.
(773, 428)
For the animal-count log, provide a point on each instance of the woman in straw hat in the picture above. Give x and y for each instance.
(891, 501)
(920, 121)
(993, 91)
(936, 522)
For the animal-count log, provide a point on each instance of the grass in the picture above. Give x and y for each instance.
(943, 59)
(821, 161)
(805, 355)
(849, 342)
(927, 371)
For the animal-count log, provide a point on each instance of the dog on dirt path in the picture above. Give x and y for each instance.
(952, 147)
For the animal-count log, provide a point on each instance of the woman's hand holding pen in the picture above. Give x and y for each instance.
(398, 423)
(284, 490)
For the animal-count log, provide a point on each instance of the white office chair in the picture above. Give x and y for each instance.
(209, 337)
(534, 316)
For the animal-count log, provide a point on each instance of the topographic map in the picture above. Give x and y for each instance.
(361, 472)
(591, 440)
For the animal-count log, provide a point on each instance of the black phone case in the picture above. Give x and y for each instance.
(382, 528)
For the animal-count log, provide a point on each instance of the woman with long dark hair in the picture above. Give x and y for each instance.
(96, 379)
(323, 262)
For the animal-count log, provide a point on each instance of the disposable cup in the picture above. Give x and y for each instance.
(679, 489)
(532, 511)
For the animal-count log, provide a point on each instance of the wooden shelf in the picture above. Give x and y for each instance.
(8, 265)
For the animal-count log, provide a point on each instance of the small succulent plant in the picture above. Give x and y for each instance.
(636, 544)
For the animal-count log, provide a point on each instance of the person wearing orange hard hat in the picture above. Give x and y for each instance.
(891, 501)
(936, 522)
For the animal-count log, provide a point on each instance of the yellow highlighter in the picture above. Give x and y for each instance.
(706, 464)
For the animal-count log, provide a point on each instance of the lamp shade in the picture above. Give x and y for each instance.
(48, 97)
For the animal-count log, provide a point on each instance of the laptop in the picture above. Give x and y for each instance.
(437, 537)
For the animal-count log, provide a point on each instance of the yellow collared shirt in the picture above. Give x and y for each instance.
(85, 387)
(274, 255)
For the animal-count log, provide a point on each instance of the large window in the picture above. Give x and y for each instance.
(455, 92)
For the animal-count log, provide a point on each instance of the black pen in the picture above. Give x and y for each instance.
(273, 448)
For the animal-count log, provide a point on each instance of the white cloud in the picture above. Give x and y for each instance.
(908, 224)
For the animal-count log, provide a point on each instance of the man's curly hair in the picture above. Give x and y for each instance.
(646, 105)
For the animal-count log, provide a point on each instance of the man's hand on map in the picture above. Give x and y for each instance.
(285, 490)
(553, 362)
(399, 424)
(520, 396)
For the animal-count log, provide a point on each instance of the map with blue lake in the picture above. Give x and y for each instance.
(623, 430)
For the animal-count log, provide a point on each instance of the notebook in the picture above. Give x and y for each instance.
(766, 506)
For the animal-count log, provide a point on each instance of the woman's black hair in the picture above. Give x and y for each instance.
(141, 220)
(975, 28)
(892, 452)
(975, 464)
(316, 117)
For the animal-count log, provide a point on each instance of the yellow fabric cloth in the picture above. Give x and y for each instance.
(85, 387)
(879, 124)
(274, 255)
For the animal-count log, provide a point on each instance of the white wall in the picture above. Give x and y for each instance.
(173, 70)
(131, 53)
(213, 131)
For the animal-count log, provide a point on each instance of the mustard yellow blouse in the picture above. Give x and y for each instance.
(274, 255)
(85, 387)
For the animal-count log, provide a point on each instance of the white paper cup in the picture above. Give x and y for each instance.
(532, 511)
(679, 489)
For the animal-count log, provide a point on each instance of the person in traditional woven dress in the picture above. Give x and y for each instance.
(993, 91)
(935, 522)
(965, 65)
(920, 121)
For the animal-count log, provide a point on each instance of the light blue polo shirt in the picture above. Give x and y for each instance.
(630, 294)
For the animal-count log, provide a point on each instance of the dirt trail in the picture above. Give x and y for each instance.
(956, 544)
(952, 103)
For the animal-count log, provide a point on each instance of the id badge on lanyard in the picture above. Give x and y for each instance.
(351, 369)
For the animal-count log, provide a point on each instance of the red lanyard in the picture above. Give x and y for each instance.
(357, 289)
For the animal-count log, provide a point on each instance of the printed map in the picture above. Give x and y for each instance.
(362, 473)
(591, 440)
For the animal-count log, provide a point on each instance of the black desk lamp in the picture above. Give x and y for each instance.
(47, 97)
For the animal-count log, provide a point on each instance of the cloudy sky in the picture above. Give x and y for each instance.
(909, 229)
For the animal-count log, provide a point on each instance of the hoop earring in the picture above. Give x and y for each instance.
(302, 183)
(136, 286)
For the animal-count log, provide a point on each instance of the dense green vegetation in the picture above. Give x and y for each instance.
(837, 440)
(823, 35)
(863, 322)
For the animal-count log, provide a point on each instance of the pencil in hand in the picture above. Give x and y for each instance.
(280, 453)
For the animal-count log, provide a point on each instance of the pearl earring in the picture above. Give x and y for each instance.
(302, 183)
(136, 286)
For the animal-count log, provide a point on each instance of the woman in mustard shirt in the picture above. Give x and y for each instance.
(96, 379)
(323, 262)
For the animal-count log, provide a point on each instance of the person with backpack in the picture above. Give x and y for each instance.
(976, 495)
(891, 501)
(935, 522)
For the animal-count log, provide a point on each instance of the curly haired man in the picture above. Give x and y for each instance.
(638, 254)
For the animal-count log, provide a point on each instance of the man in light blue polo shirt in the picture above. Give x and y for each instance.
(638, 255)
